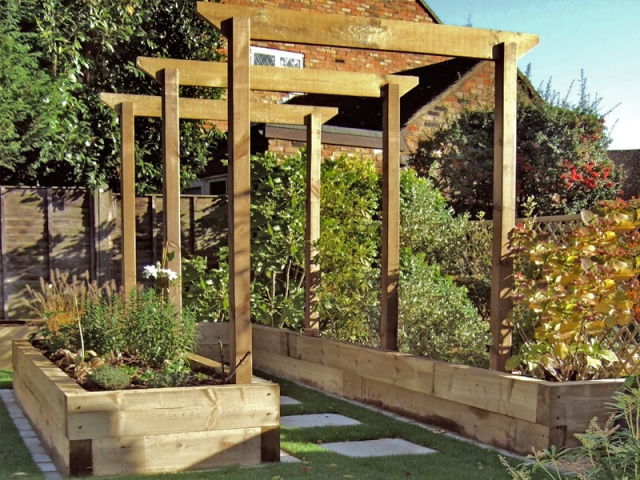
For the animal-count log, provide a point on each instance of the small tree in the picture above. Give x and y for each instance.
(27, 98)
(84, 48)
(561, 159)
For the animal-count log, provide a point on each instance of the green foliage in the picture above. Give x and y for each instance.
(109, 377)
(437, 319)
(102, 326)
(25, 92)
(561, 159)
(460, 247)
(172, 374)
(80, 317)
(570, 311)
(277, 231)
(206, 291)
(156, 330)
(84, 48)
(349, 252)
(609, 452)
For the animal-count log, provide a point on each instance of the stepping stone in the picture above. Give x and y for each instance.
(377, 448)
(317, 420)
(284, 400)
(288, 458)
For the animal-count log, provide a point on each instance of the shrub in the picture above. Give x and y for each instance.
(349, 256)
(109, 377)
(156, 331)
(577, 312)
(206, 291)
(437, 319)
(459, 246)
(561, 159)
(349, 250)
(102, 325)
(83, 318)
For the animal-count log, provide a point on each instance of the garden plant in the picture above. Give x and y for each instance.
(434, 262)
(561, 157)
(576, 306)
(108, 340)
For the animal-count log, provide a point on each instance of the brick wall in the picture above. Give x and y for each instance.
(288, 148)
(350, 60)
(475, 91)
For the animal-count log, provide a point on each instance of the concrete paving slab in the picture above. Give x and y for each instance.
(377, 448)
(284, 400)
(317, 420)
(286, 457)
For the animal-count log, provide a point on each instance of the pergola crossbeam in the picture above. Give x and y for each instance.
(217, 110)
(348, 31)
(198, 73)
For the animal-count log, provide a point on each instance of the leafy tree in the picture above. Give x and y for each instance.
(436, 316)
(25, 97)
(561, 158)
(90, 47)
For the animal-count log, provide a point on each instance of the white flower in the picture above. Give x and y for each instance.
(170, 274)
(150, 271)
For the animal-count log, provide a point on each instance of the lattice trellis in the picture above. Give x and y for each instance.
(623, 339)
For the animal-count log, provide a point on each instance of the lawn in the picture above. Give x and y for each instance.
(454, 459)
(6, 379)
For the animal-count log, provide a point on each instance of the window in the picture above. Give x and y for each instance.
(215, 185)
(270, 57)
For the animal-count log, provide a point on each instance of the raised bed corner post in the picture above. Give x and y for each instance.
(312, 228)
(237, 31)
(169, 80)
(390, 94)
(504, 200)
(128, 189)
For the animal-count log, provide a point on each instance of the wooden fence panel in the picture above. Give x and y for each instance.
(42, 229)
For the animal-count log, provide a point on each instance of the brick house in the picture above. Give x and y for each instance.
(446, 85)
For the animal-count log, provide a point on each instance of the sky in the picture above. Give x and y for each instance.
(599, 37)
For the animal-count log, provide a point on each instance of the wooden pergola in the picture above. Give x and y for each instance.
(241, 25)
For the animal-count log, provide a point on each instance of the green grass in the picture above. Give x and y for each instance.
(14, 456)
(6, 378)
(454, 460)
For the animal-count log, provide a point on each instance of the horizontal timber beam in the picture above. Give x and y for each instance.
(217, 110)
(281, 25)
(199, 73)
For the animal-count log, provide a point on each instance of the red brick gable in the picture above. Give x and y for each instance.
(352, 60)
(409, 10)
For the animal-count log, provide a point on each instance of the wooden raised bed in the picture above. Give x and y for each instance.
(508, 411)
(145, 431)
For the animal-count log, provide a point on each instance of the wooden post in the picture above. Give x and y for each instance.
(312, 228)
(504, 200)
(169, 79)
(237, 31)
(104, 226)
(4, 297)
(48, 219)
(390, 94)
(128, 200)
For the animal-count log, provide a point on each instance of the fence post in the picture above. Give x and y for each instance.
(3, 255)
(104, 229)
